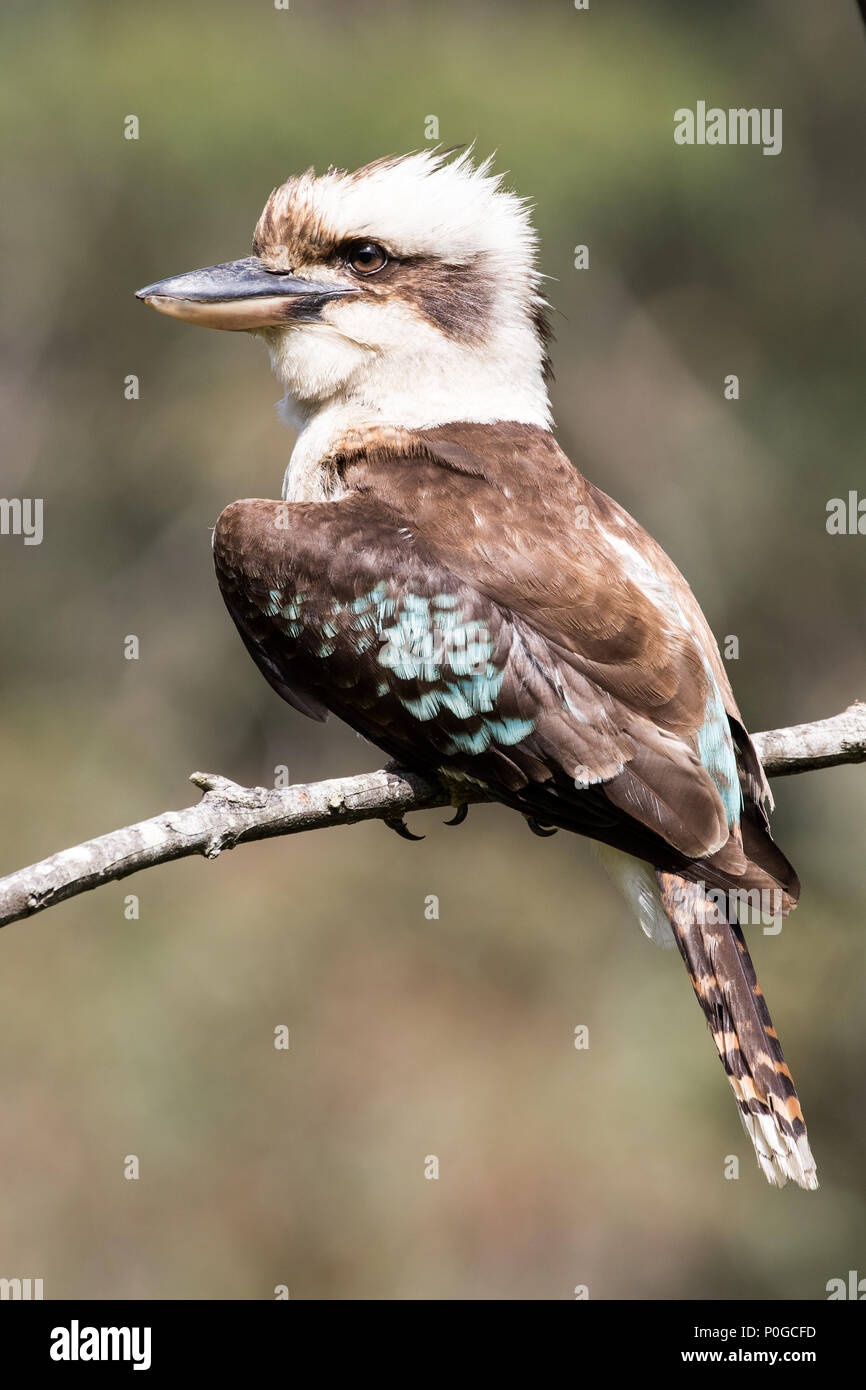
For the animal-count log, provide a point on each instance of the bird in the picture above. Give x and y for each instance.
(441, 577)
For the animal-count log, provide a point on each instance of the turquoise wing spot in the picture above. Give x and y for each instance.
(510, 731)
(716, 751)
(408, 647)
(478, 742)
(481, 689)
(420, 638)
(429, 639)
(427, 706)
(417, 604)
(502, 731)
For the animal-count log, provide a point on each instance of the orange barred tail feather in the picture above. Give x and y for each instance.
(725, 983)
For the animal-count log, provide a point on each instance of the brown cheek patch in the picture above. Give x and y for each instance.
(455, 298)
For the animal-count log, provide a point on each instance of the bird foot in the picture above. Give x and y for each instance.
(399, 826)
(545, 831)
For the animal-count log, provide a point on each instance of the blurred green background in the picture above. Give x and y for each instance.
(412, 1037)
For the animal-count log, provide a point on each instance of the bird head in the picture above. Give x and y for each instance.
(405, 291)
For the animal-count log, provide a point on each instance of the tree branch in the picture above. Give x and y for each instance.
(230, 815)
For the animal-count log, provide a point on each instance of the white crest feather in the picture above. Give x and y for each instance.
(424, 204)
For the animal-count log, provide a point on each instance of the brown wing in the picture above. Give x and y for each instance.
(350, 606)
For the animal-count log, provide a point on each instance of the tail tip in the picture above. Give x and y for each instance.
(781, 1156)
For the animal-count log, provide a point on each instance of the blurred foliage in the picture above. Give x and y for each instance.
(411, 1037)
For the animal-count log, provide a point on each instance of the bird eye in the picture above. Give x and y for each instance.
(365, 258)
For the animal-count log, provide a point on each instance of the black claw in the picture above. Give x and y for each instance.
(459, 815)
(399, 826)
(545, 831)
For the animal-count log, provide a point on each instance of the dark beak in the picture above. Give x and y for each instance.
(241, 295)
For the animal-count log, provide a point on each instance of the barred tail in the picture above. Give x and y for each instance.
(724, 981)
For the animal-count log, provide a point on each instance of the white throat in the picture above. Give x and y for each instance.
(335, 383)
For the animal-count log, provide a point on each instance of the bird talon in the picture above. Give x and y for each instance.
(545, 831)
(459, 815)
(399, 826)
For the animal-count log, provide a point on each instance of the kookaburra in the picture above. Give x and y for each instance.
(442, 578)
